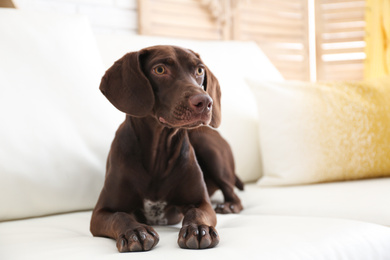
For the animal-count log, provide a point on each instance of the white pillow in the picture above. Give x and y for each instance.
(325, 131)
(56, 127)
(231, 62)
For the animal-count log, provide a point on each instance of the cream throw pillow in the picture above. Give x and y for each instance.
(321, 132)
(56, 127)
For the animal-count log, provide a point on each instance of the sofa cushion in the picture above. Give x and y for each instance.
(55, 125)
(231, 62)
(321, 132)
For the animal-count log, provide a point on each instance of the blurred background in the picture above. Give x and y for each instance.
(305, 39)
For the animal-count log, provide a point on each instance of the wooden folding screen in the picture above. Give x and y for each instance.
(280, 27)
(178, 18)
(340, 30)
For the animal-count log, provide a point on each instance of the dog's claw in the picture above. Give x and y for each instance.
(122, 244)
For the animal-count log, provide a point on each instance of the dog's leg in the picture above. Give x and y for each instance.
(130, 235)
(198, 230)
(215, 158)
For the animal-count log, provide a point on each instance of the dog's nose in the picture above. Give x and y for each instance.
(201, 103)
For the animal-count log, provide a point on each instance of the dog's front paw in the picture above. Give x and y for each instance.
(143, 238)
(198, 237)
(228, 207)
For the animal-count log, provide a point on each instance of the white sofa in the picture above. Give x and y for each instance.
(56, 129)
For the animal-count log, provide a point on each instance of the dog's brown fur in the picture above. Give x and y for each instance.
(165, 161)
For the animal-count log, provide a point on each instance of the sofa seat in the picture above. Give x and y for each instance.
(277, 223)
(362, 200)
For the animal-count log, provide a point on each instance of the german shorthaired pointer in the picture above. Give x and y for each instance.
(165, 160)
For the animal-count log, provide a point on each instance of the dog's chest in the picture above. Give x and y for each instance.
(154, 212)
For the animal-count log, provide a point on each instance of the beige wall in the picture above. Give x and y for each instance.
(106, 16)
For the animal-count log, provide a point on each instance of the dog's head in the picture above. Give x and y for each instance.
(167, 82)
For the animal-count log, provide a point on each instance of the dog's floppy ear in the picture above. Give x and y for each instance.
(212, 87)
(126, 86)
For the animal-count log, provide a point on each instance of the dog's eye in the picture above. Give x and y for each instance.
(159, 70)
(199, 71)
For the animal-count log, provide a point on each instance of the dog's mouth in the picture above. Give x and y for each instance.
(187, 124)
(189, 113)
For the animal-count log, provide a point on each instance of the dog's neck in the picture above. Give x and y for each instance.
(161, 145)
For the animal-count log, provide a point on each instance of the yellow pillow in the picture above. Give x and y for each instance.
(322, 132)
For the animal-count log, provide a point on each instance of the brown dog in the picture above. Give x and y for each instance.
(155, 165)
